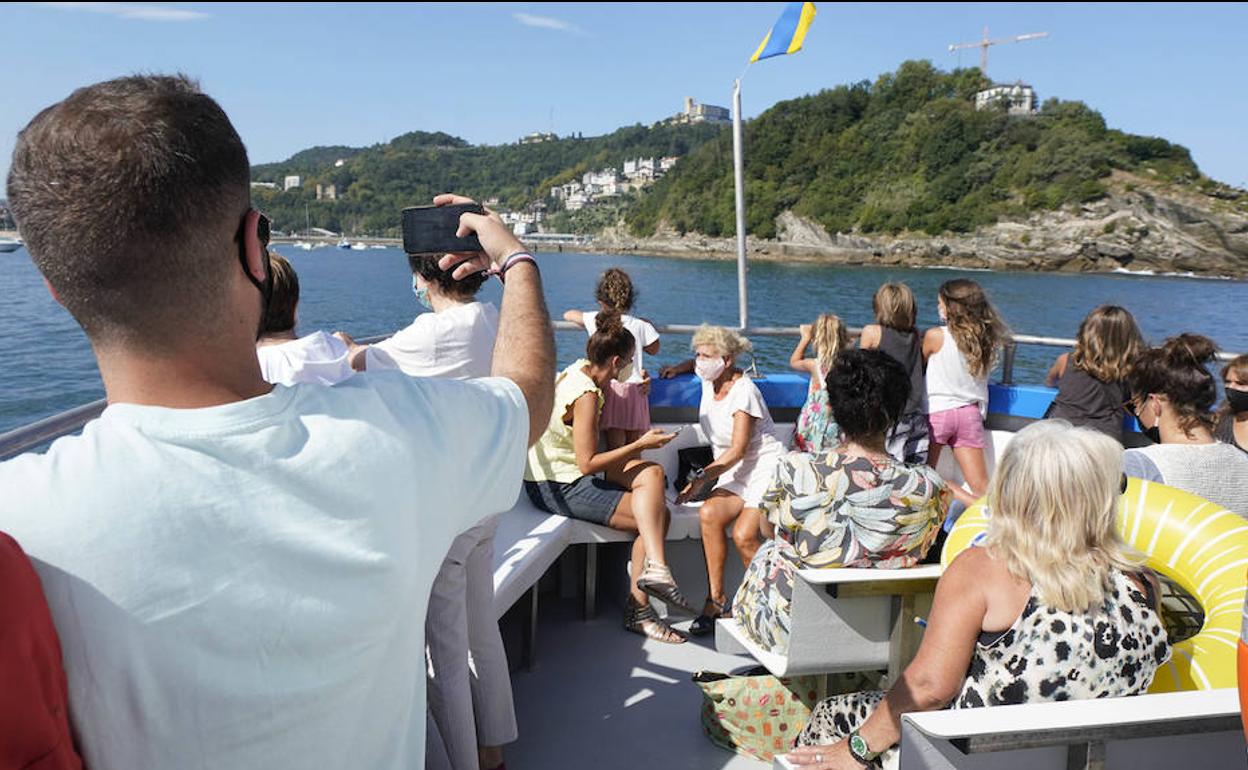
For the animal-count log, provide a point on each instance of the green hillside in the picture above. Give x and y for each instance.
(908, 152)
(375, 183)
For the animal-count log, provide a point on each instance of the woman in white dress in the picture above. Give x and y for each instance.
(735, 419)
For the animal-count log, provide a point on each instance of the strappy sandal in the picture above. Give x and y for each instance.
(642, 619)
(705, 624)
(657, 581)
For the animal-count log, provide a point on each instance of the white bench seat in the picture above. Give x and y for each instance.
(1147, 732)
(844, 620)
(527, 542)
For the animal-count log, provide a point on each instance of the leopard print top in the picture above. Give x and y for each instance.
(1050, 655)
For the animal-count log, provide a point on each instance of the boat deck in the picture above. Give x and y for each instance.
(601, 697)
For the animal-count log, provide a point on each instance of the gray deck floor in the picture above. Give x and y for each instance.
(600, 697)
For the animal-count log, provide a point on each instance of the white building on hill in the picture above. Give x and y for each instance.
(702, 113)
(1019, 99)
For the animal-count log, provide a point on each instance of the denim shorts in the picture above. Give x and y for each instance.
(589, 498)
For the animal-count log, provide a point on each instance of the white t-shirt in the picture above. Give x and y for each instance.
(244, 586)
(318, 358)
(457, 343)
(643, 332)
(750, 477)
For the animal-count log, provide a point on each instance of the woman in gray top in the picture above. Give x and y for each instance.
(1174, 392)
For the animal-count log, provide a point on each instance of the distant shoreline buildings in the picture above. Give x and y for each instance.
(608, 183)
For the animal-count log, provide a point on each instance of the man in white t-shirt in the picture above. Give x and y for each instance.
(286, 358)
(239, 571)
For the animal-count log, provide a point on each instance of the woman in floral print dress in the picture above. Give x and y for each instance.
(851, 506)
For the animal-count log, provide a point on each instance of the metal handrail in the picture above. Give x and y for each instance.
(28, 437)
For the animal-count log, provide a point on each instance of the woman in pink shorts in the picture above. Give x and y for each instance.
(959, 356)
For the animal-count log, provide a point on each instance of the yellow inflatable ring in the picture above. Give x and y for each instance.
(1197, 544)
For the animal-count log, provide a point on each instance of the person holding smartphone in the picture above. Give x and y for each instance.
(245, 566)
(567, 474)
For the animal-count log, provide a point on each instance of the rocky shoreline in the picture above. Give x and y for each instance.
(1136, 229)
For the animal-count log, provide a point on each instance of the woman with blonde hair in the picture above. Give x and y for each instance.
(1053, 607)
(1092, 381)
(959, 357)
(894, 332)
(1232, 425)
(735, 419)
(816, 427)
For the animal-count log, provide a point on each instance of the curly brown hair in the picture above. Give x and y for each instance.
(615, 291)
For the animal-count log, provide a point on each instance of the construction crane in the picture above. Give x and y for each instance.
(986, 43)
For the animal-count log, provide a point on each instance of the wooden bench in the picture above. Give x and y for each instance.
(844, 620)
(1198, 729)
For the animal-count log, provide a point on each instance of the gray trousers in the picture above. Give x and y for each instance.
(469, 686)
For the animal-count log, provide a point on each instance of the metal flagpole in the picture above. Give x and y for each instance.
(739, 171)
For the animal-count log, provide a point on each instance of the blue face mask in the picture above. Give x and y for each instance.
(422, 295)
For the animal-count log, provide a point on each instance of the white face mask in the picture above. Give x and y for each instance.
(624, 373)
(709, 369)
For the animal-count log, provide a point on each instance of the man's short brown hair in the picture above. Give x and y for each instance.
(128, 194)
(285, 300)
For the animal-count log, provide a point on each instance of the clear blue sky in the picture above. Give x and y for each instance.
(292, 76)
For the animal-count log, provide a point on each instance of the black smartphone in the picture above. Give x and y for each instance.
(431, 229)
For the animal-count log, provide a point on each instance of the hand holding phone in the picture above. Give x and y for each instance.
(433, 229)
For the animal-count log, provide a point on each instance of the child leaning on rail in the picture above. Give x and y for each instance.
(895, 333)
(626, 411)
(959, 357)
(1092, 381)
(816, 427)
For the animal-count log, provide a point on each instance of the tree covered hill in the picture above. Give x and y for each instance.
(375, 183)
(909, 152)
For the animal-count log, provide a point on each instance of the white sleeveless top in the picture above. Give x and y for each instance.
(949, 381)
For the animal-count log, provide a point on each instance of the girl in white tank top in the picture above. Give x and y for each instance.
(949, 381)
(959, 357)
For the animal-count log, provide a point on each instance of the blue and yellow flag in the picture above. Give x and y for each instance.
(787, 34)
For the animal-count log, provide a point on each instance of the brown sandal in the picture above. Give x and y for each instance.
(657, 581)
(642, 619)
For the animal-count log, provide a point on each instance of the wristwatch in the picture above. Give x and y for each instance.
(859, 750)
